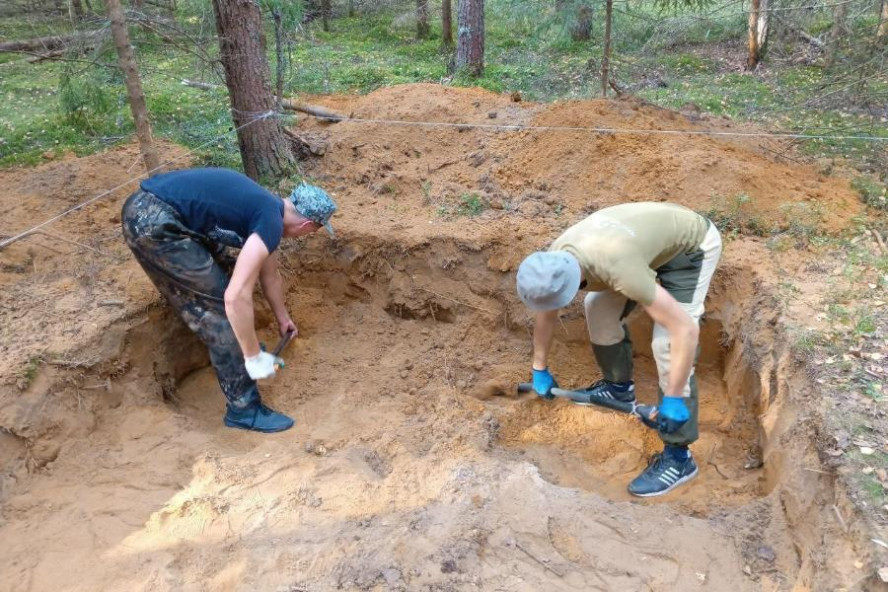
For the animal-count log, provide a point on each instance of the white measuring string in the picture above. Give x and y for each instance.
(597, 130)
(25, 233)
(447, 124)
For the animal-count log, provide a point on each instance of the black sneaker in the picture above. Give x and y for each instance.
(605, 389)
(664, 473)
(257, 418)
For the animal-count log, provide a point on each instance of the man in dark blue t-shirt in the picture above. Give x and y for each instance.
(178, 225)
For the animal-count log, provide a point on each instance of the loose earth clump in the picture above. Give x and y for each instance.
(413, 464)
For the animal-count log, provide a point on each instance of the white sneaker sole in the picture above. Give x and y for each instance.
(684, 479)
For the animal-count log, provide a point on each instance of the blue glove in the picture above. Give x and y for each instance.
(673, 414)
(543, 382)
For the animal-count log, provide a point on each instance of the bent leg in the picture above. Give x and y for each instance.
(605, 312)
(184, 271)
(686, 278)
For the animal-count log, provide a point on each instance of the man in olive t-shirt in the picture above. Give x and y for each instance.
(661, 256)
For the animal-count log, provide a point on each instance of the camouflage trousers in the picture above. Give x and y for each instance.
(190, 274)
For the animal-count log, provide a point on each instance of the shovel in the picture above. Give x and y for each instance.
(646, 413)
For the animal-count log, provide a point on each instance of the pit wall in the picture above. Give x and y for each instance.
(448, 281)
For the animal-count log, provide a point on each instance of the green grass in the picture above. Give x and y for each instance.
(528, 49)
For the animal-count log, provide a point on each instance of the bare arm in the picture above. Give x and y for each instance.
(684, 335)
(239, 294)
(273, 288)
(543, 328)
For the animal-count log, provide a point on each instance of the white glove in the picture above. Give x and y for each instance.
(262, 365)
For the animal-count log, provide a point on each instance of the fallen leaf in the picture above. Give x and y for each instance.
(867, 470)
(883, 574)
(858, 564)
(866, 450)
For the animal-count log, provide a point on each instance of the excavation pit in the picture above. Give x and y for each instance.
(402, 473)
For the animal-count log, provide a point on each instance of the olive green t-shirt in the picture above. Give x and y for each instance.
(620, 247)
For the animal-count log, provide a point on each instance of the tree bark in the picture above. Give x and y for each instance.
(470, 36)
(422, 19)
(757, 36)
(326, 11)
(883, 21)
(264, 148)
(605, 58)
(582, 28)
(76, 10)
(133, 86)
(839, 27)
(447, 24)
(279, 52)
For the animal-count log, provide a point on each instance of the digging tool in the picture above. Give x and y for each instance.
(646, 413)
(287, 338)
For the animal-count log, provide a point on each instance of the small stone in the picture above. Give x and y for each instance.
(866, 450)
(461, 384)
(883, 574)
(404, 374)
(767, 553)
(867, 470)
(858, 564)
(491, 115)
(448, 566)
(478, 365)
(882, 474)
(747, 570)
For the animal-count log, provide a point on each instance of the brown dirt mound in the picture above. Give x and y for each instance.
(530, 173)
(116, 473)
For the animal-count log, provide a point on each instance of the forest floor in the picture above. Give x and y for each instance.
(413, 465)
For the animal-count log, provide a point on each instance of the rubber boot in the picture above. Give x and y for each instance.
(615, 360)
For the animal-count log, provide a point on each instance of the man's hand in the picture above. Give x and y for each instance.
(262, 365)
(673, 414)
(543, 383)
(287, 325)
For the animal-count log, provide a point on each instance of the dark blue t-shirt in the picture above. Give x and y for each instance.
(223, 205)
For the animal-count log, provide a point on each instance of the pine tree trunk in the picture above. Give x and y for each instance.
(279, 52)
(470, 36)
(883, 21)
(582, 28)
(133, 85)
(264, 148)
(76, 10)
(839, 27)
(422, 19)
(447, 24)
(326, 12)
(757, 33)
(605, 58)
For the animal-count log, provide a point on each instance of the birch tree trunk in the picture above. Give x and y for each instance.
(264, 148)
(757, 33)
(133, 86)
(605, 58)
(470, 36)
(447, 24)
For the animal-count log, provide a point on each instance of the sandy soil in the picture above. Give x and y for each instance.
(406, 471)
